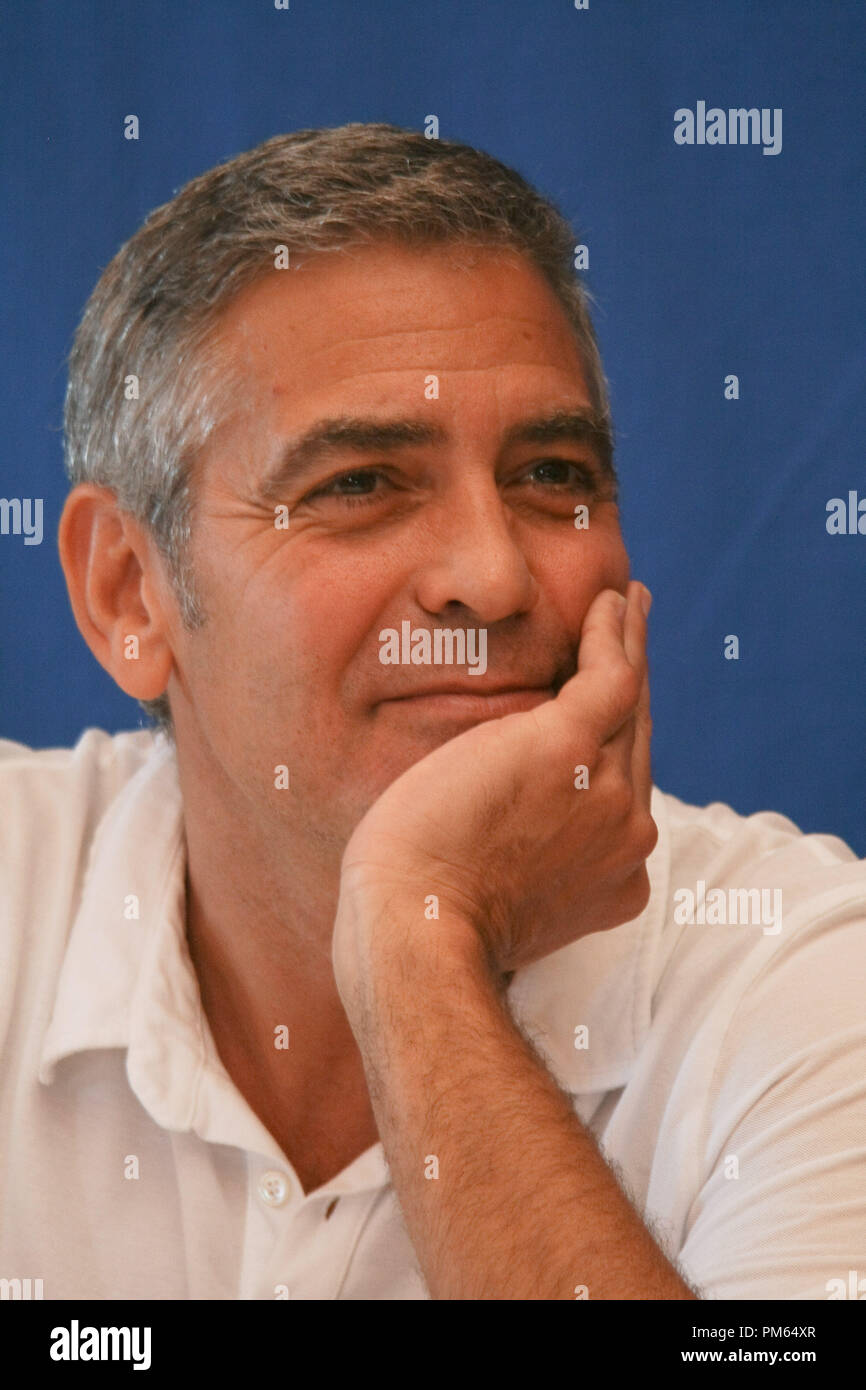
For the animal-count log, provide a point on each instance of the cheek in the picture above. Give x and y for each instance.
(303, 624)
(614, 565)
(580, 566)
(331, 615)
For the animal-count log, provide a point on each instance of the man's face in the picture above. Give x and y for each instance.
(452, 522)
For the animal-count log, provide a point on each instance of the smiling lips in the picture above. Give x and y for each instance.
(475, 698)
(473, 687)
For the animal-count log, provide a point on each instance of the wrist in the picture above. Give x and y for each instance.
(390, 943)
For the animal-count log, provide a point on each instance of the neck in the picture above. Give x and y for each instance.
(259, 927)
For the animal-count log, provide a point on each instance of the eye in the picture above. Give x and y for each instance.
(562, 474)
(357, 486)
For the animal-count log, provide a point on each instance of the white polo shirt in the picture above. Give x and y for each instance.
(721, 1065)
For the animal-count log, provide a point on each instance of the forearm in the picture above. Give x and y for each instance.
(523, 1205)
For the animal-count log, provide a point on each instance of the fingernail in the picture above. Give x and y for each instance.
(646, 600)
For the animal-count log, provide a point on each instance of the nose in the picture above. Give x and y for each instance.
(475, 559)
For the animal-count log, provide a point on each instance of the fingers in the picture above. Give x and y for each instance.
(635, 627)
(610, 694)
(605, 692)
(631, 744)
(621, 744)
(641, 762)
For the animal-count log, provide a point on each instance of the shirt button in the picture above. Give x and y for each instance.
(273, 1188)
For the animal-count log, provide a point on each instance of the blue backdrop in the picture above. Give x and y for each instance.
(705, 260)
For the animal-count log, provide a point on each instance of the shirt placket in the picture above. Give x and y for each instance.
(297, 1246)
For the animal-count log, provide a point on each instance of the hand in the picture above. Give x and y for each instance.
(493, 825)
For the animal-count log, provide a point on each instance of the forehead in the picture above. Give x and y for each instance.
(343, 320)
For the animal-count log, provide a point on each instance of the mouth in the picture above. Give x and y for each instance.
(479, 701)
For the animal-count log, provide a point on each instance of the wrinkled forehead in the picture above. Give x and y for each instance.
(470, 338)
(388, 306)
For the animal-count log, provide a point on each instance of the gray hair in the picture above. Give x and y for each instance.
(144, 392)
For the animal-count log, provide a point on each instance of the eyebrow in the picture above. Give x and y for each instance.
(354, 434)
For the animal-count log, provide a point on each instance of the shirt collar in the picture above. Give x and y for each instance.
(127, 980)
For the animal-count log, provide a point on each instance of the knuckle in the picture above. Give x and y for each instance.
(586, 749)
(620, 797)
(627, 685)
(636, 892)
(646, 835)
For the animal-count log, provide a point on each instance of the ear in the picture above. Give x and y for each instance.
(119, 591)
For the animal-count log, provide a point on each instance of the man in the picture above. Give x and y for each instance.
(370, 979)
